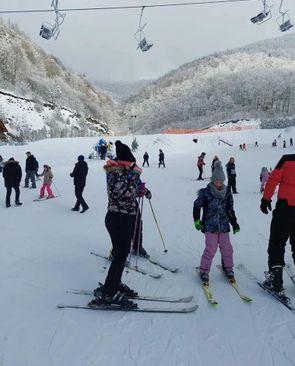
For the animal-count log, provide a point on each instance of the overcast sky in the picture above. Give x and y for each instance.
(102, 44)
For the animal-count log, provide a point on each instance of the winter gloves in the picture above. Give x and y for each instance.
(265, 206)
(236, 228)
(198, 225)
(148, 194)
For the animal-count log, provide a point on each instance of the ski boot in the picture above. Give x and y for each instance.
(204, 277)
(274, 279)
(41, 196)
(118, 299)
(230, 274)
(126, 290)
(17, 203)
(97, 293)
(141, 252)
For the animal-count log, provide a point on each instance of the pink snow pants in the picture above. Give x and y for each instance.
(46, 186)
(212, 240)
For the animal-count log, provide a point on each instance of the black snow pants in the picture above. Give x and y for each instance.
(161, 162)
(200, 172)
(121, 228)
(80, 200)
(232, 184)
(8, 193)
(282, 228)
(146, 161)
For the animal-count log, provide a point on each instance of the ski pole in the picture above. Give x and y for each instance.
(157, 224)
(57, 191)
(134, 232)
(139, 231)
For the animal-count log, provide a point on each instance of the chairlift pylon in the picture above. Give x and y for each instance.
(140, 37)
(284, 20)
(47, 30)
(264, 16)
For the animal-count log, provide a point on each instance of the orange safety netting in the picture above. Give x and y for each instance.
(176, 131)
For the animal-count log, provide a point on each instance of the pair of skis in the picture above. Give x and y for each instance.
(209, 295)
(141, 270)
(179, 310)
(282, 299)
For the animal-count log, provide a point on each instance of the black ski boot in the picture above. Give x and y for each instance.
(141, 252)
(126, 290)
(204, 277)
(274, 279)
(98, 291)
(118, 299)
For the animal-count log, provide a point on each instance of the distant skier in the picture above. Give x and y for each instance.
(256, 144)
(231, 175)
(244, 147)
(47, 181)
(200, 165)
(283, 220)
(123, 187)
(284, 144)
(12, 174)
(291, 141)
(263, 178)
(213, 163)
(30, 170)
(79, 174)
(195, 141)
(145, 159)
(161, 158)
(218, 212)
(103, 151)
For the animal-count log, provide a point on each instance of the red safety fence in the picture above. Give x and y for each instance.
(176, 131)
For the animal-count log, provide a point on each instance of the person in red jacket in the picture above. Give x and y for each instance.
(283, 221)
(200, 165)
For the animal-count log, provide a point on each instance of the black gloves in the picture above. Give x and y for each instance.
(265, 206)
(148, 194)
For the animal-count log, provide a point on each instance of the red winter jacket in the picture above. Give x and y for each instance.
(201, 161)
(284, 175)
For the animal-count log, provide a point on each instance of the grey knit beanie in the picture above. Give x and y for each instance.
(218, 173)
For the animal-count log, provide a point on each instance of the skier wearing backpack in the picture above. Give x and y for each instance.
(12, 174)
(218, 213)
(282, 225)
(47, 181)
(161, 158)
(123, 187)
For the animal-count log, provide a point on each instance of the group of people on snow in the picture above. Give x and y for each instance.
(213, 214)
(12, 174)
(161, 159)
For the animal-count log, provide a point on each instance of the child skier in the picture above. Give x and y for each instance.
(47, 181)
(218, 212)
(263, 178)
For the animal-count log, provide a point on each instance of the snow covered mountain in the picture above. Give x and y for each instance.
(40, 82)
(256, 81)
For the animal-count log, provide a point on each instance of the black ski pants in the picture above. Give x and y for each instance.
(121, 228)
(8, 193)
(80, 200)
(200, 172)
(282, 228)
(161, 162)
(146, 161)
(232, 184)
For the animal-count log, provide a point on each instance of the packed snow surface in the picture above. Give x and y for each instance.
(45, 250)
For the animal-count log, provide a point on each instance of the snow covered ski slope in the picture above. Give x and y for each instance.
(44, 251)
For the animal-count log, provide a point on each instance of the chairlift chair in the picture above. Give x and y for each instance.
(140, 37)
(284, 20)
(47, 30)
(264, 16)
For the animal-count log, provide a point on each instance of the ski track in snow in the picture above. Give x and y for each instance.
(45, 250)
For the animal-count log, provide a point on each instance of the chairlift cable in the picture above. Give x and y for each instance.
(160, 5)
